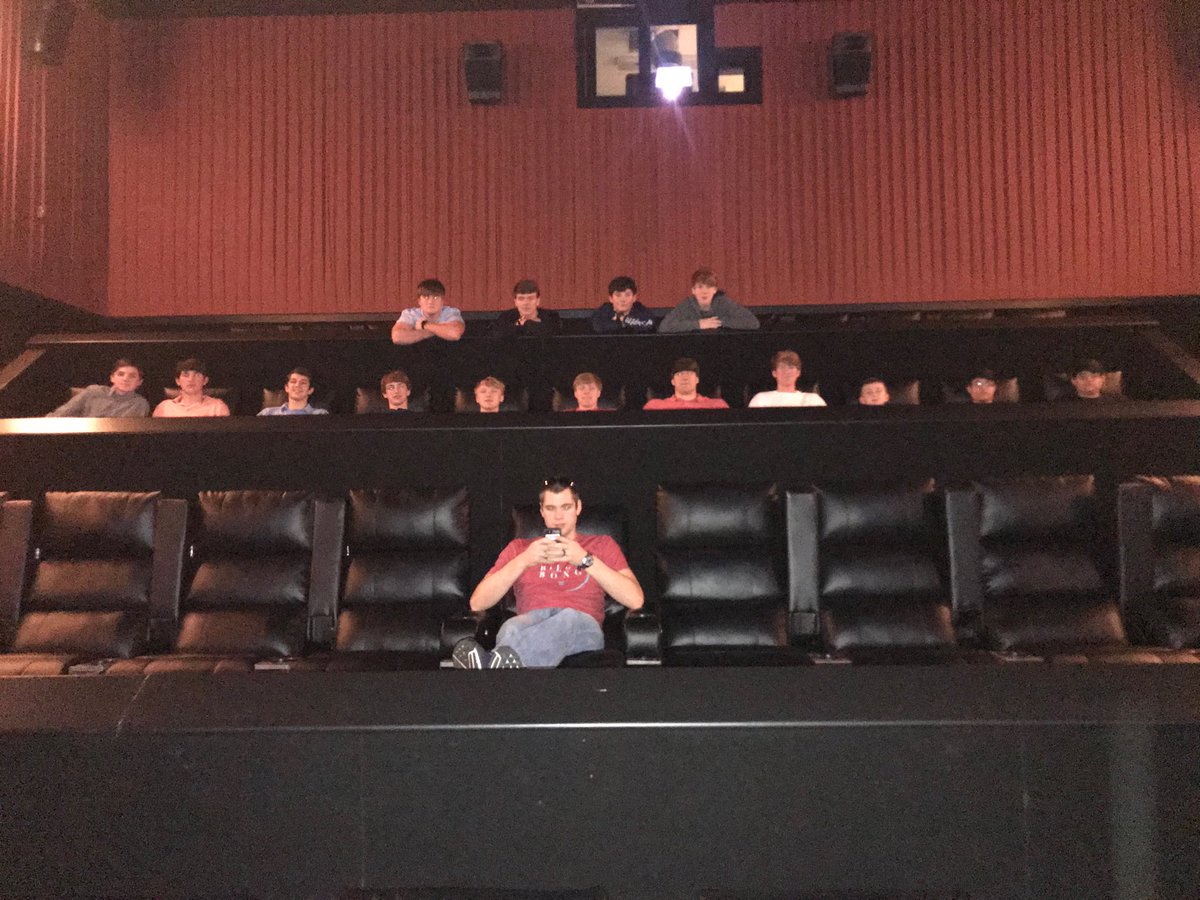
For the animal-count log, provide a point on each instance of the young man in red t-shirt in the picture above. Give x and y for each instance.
(685, 378)
(560, 582)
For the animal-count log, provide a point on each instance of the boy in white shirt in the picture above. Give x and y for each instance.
(785, 367)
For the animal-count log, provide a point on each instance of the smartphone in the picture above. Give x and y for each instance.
(553, 533)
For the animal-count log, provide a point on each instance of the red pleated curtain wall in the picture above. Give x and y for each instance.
(325, 164)
(54, 162)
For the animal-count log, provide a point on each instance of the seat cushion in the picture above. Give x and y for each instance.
(388, 578)
(113, 634)
(405, 628)
(883, 622)
(1021, 571)
(729, 576)
(265, 631)
(1036, 624)
(687, 625)
(168, 664)
(891, 574)
(273, 580)
(90, 584)
(726, 657)
(35, 664)
(373, 661)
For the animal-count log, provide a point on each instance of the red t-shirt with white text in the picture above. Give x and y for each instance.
(560, 584)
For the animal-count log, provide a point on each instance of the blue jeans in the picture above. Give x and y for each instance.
(544, 636)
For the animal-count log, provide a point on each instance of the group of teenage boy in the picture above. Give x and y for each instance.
(707, 307)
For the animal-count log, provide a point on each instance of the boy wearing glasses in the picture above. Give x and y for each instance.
(559, 581)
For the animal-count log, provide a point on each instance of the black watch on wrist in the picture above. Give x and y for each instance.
(587, 560)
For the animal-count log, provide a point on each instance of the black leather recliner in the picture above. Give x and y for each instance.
(264, 576)
(1159, 525)
(629, 635)
(868, 567)
(87, 576)
(1025, 559)
(722, 586)
(406, 581)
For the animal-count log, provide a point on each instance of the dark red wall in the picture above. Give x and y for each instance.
(54, 162)
(1008, 149)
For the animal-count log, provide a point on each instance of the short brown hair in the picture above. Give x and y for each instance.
(392, 377)
(526, 286)
(191, 364)
(124, 361)
(431, 287)
(587, 378)
(706, 277)
(556, 484)
(786, 358)
(490, 381)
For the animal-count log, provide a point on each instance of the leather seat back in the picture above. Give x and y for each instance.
(882, 568)
(406, 569)
(1160, 559)
(90, 582)
(720, 566)
(252, 557)
(1038, 580)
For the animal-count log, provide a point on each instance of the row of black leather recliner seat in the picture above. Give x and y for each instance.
(233, 581)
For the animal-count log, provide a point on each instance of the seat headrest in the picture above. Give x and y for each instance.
(1038, 507)
(610, 520)
(715, 515)
(87, 523)
(245, 523)
(903, 515)
(404, 519)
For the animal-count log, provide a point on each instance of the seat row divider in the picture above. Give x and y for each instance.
(329, 518)
(166, 578)
(14, 544)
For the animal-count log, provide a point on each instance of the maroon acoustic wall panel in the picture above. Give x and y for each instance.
(1009, 149)
(54, 160)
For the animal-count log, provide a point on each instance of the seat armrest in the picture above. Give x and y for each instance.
(170, 538)
(16, 522)
(643, 636)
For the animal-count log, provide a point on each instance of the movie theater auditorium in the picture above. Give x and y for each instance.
(927, 649)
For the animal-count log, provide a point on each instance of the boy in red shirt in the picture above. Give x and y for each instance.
(560, 582)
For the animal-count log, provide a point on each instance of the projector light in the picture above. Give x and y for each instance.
(673, 81)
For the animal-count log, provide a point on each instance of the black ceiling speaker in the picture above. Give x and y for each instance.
(483, 65)
(49, 27)
(850, 64)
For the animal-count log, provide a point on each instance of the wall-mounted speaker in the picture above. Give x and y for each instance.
(49, 27)
(850, 64)
(483, 67)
